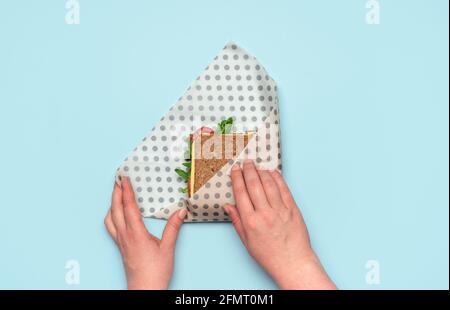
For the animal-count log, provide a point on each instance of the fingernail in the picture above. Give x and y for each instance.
(118, 181)
(182, 214)
(235, 167)
(248, 162)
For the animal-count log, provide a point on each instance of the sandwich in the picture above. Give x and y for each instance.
(209, 151)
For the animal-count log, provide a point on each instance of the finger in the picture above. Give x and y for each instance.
(243, 202)
(117, 209)
(271, 189)
(173, 225)
(132, 215)
(286, 195)
(236, 220)
(254, 186)
(110, 226)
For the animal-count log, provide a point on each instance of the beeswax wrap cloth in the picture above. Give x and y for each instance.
(233, 85)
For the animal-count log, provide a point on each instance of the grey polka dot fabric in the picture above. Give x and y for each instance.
(234, 85)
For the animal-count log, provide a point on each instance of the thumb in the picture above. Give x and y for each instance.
(173, 225)
(236, 220)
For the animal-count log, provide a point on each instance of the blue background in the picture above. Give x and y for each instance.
(364, 115)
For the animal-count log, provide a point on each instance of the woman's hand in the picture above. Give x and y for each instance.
(272, 229)
(148, 260)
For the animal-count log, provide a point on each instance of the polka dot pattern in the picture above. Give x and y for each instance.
(235, 84)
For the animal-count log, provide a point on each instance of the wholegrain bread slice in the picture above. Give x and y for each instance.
(210, 152)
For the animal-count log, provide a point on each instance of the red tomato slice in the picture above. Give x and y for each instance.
(200, 131)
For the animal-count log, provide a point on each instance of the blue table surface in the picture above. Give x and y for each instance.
(364, 118)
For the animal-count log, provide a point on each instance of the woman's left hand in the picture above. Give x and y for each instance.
(148, 260)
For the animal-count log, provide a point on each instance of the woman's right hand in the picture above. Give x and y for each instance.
(272, 229)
